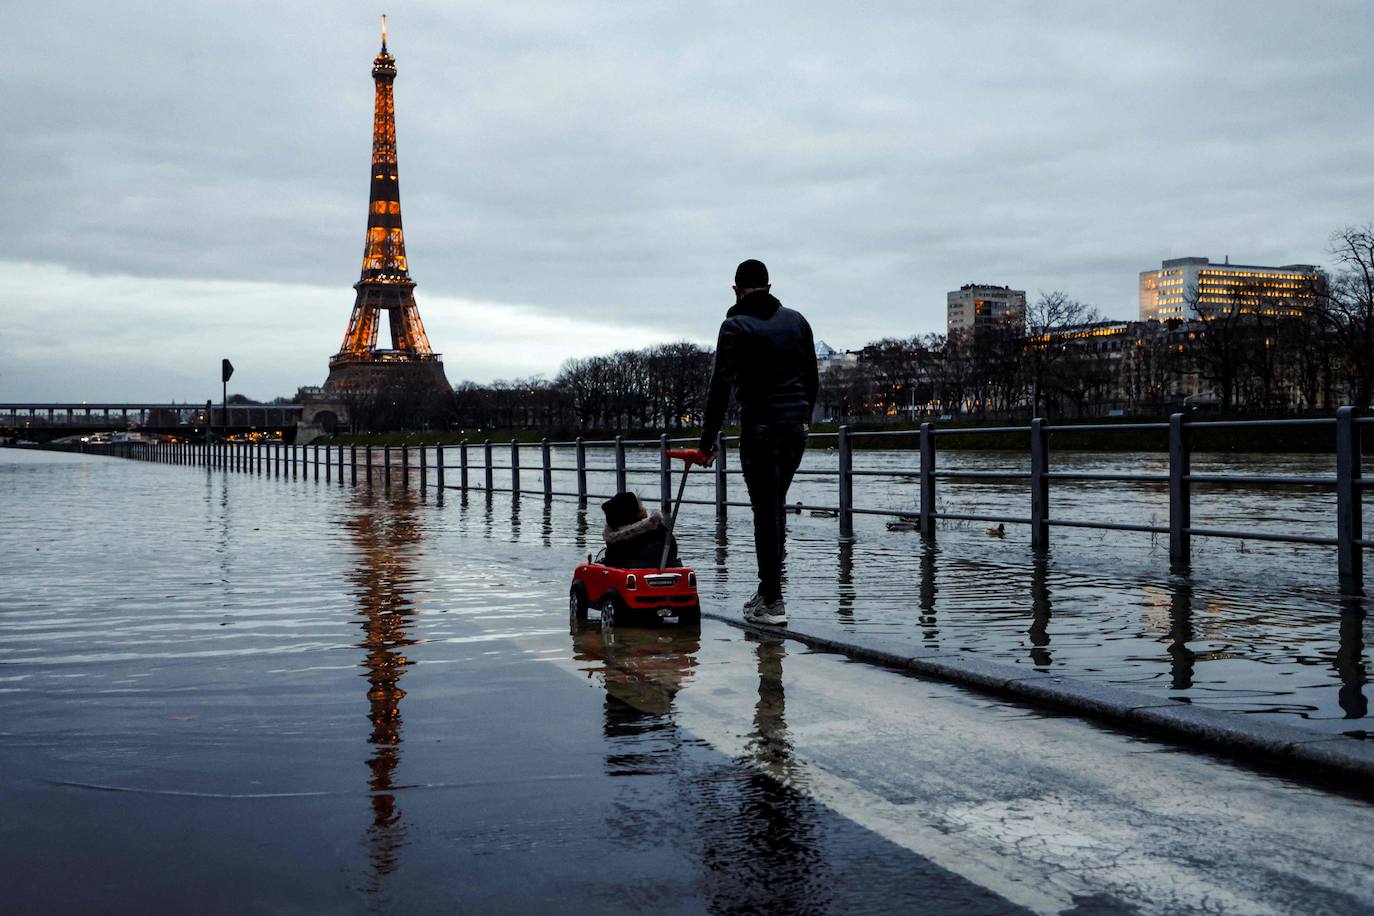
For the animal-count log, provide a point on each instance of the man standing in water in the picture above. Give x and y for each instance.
(766, 354)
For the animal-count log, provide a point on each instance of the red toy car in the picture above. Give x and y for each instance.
(639, 595)
(634, 595)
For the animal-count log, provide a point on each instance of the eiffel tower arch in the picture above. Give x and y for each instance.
(385, 286)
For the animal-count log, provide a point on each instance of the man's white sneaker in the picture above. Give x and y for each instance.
(773, 613)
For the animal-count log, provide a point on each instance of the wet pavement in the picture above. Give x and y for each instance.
(247, 693)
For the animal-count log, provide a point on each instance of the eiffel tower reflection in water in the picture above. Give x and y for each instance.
(385, 532)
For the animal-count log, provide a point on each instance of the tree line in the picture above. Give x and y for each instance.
(660, 387)
(1253, 350)
(1310, 349)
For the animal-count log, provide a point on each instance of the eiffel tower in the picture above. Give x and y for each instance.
(385, 284)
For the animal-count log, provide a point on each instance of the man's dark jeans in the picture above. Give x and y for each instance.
(769, 456)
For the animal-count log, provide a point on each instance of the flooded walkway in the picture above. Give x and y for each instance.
(249, 693)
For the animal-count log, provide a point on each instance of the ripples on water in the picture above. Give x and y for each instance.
(167, 631)
(168, 578)
(1255, 627)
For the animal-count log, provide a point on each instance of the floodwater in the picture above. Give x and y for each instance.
(1254, 627)
(246, 692)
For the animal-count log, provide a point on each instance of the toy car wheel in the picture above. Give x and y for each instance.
(577, 604)
(690, 614)
(608, 611)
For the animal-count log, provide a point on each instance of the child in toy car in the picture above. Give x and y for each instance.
(634, 536)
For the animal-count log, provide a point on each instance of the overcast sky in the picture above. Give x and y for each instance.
(189, 181)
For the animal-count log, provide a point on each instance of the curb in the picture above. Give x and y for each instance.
(1230, 733)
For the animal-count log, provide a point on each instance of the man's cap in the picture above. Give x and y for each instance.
(751, 274)
(621, 509)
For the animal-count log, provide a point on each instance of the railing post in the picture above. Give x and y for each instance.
(546, 455)
(486, 458)
(386, 466)
(846, 450)
(367, 453)
(665, 476)
(341, 465)
(515, 468)
(581, 471)
(620, 486)
(353, 465)
(439, 466)
(927, 517)
(1180, 508)
(1040, 486)
(328, 466)
(1349, 555)
(424, 469)
(405, 466)
(317, 464)
(722, 495)
(463, 465)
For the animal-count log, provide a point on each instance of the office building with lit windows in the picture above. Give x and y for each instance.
(974, 305)
(1171, 291)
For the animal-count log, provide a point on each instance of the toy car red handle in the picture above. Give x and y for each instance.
(689, 455)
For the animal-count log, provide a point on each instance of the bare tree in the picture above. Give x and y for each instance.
(1048, 356)
(1350, 305)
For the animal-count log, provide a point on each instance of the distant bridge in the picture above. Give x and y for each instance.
(62, 419)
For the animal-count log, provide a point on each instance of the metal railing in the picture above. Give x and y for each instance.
(281, 459)
(1347, 482)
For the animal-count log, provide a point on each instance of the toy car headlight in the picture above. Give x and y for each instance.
(631, 583)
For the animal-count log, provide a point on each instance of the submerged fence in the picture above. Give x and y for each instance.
(477, 466)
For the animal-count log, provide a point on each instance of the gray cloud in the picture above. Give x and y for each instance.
(611, 162)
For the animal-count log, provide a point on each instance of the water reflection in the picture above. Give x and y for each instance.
(1181, 658)
(385, 535)
(580, 537)
(760, 838)
(642, 670)
(763, 852)
(1041, 612)
(844, 580)
(722, 553)
(927, 592)
(1350, 663)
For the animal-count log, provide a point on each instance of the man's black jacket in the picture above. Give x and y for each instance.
(767, 355)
